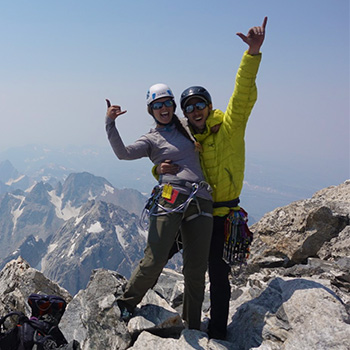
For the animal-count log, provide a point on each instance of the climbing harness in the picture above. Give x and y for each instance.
(154, 208)
(238, 238)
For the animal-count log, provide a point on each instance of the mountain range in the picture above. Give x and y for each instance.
(66, 221)
(269, 182)
(72, 228)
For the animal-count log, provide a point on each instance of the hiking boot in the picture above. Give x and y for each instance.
(125, 311)
(212, 334)
(216, 333)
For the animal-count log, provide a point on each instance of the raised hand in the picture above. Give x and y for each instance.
(254, 38)
(113, 111)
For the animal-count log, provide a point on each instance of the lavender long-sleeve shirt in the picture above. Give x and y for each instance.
(162, 144)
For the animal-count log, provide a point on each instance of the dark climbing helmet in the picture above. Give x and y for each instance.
(194, 91)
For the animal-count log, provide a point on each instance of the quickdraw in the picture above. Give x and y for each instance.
(238, 238)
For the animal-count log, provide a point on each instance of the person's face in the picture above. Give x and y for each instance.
(163, 110)
(196, 114)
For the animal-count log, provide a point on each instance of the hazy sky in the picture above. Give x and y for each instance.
(61, 59)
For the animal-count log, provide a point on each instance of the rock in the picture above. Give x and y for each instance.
(290, 313)
(156, 315)
(338, 247)
(18, 280)
(93, 316)
(171, 286)
(300, 230)
(189, 339)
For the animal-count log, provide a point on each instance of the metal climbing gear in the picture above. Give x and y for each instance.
(238, 238)
(154, 208)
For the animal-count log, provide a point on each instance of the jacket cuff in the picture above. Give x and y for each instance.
(108, 120)
(250, 63)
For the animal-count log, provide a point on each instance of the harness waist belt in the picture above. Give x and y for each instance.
(185, 183)
(230, 204)
(182, 183)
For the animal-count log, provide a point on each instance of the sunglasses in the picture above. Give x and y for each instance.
(199, 106)
(159, 105)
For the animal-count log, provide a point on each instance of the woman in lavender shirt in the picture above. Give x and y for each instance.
(181, 201)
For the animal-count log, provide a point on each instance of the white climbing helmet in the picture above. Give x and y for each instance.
(158, 91)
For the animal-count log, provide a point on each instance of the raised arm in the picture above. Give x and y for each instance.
(137, 150)
(245, 92)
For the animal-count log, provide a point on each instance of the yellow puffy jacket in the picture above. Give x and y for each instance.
(223, 155)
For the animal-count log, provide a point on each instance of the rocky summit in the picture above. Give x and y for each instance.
(294, 293)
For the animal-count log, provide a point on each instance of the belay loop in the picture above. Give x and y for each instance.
(238, 238)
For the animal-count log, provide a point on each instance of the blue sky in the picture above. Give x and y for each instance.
(61, 59)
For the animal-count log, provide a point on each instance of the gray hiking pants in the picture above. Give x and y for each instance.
(196, 236)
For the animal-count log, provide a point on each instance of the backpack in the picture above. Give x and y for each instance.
(40, 331)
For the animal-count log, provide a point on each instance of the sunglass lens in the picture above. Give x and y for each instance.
(189, 108)
(200, 105)
(159, 105)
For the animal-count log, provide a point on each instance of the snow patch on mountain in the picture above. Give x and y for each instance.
(69, 211)
(95, 228)
(17, 212)
(10, 182)
(108, 189)
(142, 232)
(119, 231)
(91, 196)
(86, 253)
(71, 250)
(78, 220)
(51, 248)
(29, 189)
(65, 213)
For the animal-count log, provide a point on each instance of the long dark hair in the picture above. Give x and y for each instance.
(183, 131)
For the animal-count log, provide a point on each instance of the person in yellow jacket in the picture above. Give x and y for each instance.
(221, 135)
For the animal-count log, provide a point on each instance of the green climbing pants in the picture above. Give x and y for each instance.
(196, 236)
